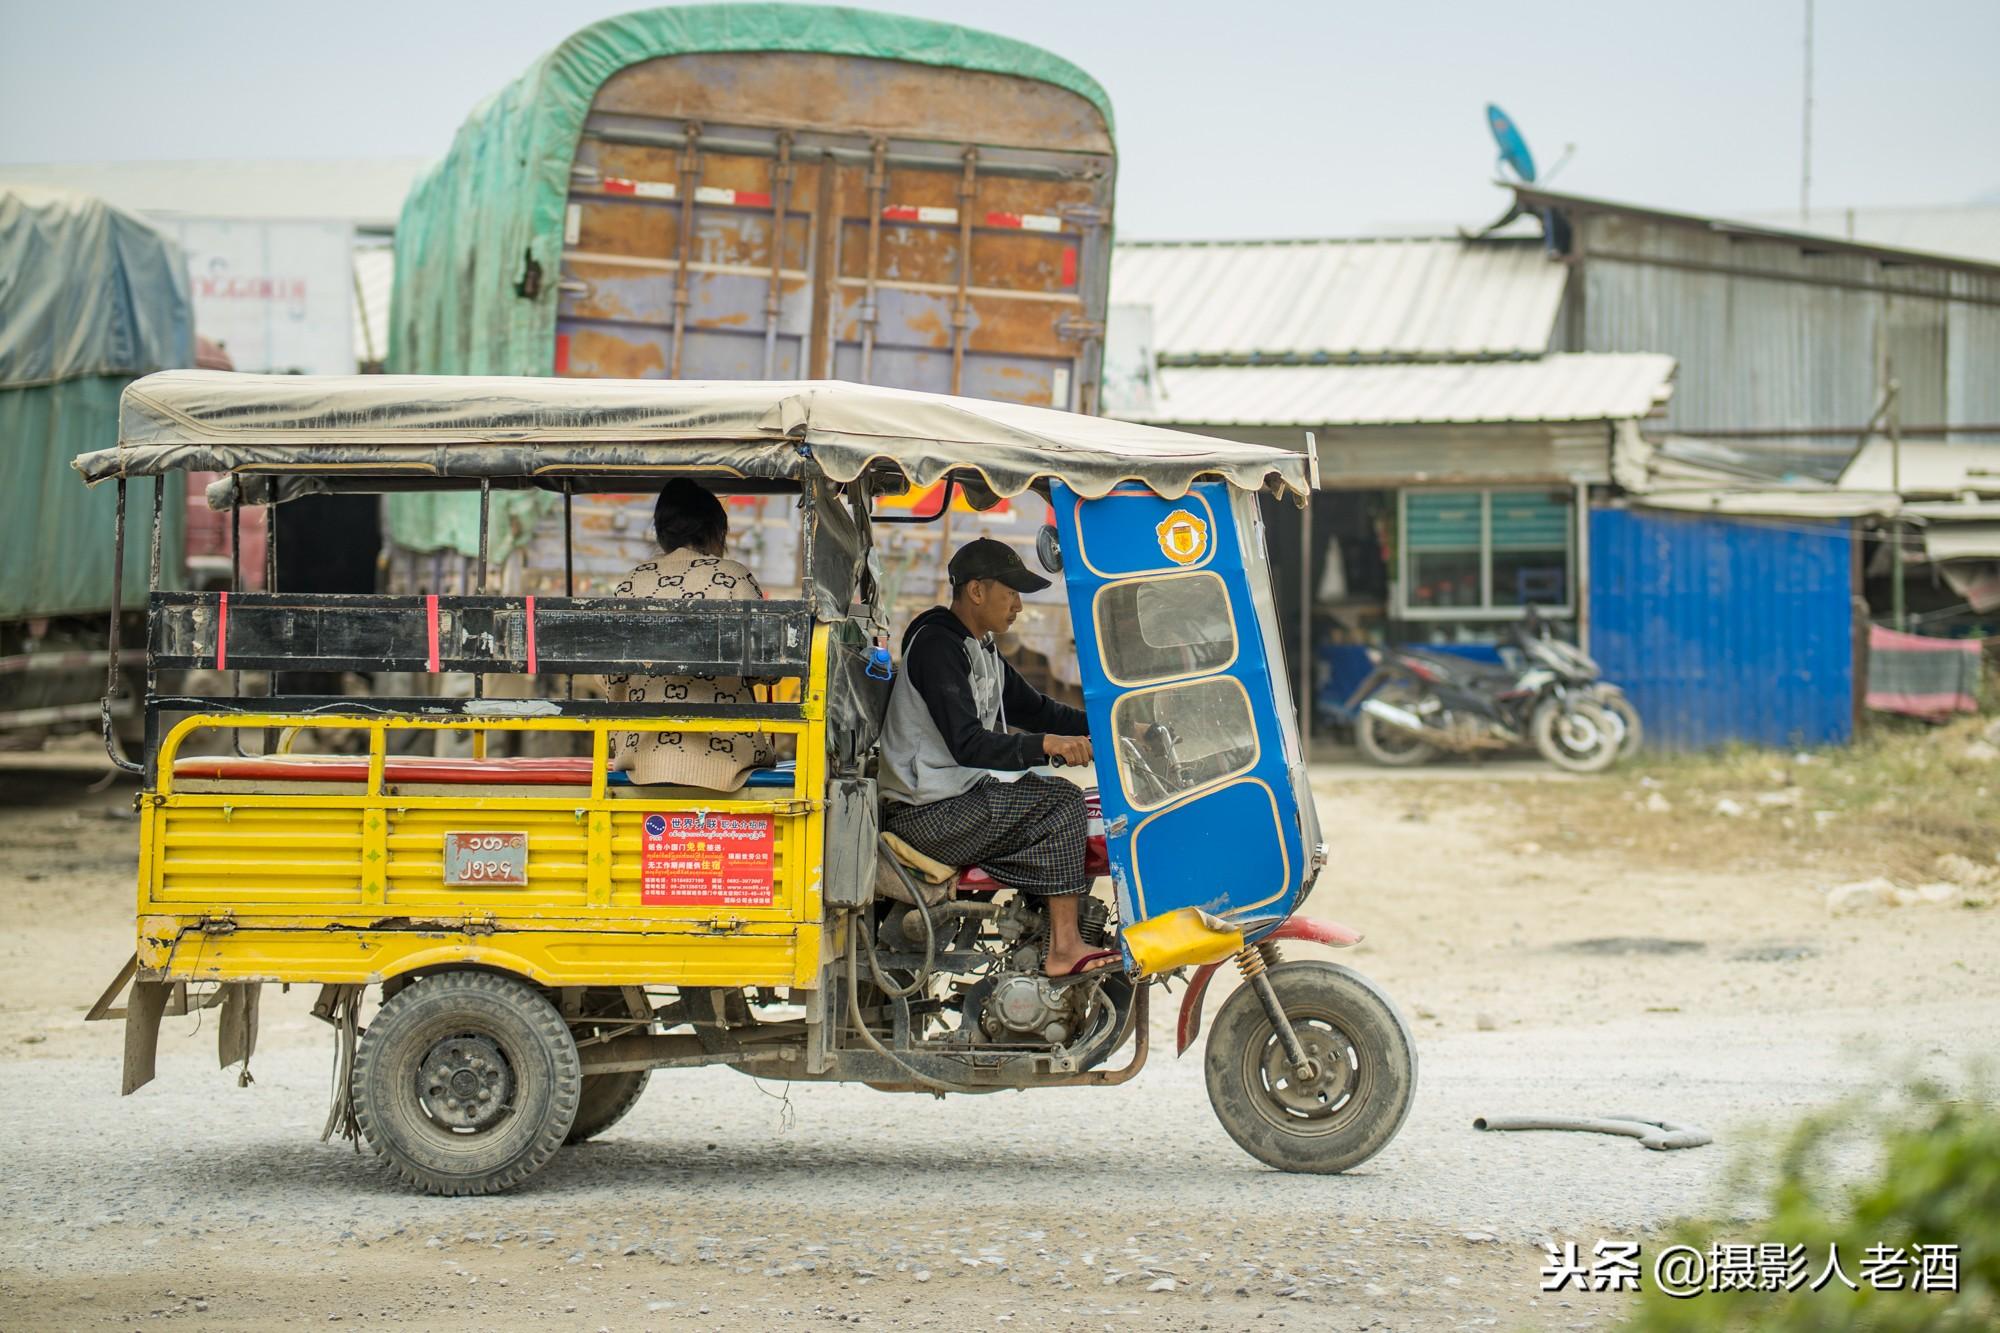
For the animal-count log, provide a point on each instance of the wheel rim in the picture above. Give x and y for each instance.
(1578, 734)
(465, 1084)
(1325, 1103)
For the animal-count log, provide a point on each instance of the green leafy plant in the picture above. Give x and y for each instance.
(1937, 1183)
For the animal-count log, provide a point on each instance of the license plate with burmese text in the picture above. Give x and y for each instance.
(485, 860)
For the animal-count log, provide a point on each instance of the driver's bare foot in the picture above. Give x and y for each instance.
(1060, 966)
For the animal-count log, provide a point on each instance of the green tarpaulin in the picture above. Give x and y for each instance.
(87, 289)
(56, 534)
(475, 222)
(90, 298)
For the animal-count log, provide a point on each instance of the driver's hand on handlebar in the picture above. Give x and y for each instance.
(1069, 749)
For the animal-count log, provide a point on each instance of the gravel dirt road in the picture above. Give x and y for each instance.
(1535, 982)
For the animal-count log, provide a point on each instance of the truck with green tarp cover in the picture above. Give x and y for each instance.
(91, 297)
(758, 191)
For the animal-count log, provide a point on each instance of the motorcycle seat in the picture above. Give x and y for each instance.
(972, 880)
(928, 868)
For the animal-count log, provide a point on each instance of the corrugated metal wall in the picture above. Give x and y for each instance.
(1769, 336)
(1725, 629)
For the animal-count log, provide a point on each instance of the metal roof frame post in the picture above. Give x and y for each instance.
(1580, 595)
(1305, 627)
(111, 749)
(1897, 527)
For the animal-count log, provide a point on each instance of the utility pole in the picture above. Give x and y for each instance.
(1805, 150)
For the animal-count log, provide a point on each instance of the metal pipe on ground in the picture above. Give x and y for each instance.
(1659, 1135)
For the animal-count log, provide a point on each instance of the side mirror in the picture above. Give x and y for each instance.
(1048, 549)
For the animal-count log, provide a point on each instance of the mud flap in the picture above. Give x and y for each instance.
(1293, 928)
(236, 1033)
(143, 1011)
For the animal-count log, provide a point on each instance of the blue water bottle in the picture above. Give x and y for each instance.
(878, 662)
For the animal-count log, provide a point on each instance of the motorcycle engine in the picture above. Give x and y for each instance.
(1016, 1003)
(1014, 1006)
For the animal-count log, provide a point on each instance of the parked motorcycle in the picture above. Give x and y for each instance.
(1535, 638)
(1416, 703)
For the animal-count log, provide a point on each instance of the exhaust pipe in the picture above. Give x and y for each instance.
(1402, 719)
(1457, 741)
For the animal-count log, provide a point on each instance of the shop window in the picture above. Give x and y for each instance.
(1475, 553)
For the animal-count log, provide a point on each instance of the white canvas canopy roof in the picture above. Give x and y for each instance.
(479, 426)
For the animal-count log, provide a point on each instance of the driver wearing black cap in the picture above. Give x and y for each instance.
(956, 777)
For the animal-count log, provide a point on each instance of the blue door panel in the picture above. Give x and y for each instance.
(1237, 827)
(1224, 834)
(1128, 532)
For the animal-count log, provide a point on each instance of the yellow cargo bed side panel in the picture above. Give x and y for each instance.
(173, 950)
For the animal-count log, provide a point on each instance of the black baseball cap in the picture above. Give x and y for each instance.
(989, 559)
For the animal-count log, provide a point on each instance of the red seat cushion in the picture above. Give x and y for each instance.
(1096, 857)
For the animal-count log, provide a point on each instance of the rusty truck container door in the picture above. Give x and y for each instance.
(770, 215)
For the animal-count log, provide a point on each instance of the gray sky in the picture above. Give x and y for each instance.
(1234, 119)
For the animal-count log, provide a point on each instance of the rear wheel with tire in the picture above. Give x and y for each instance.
(604, 1012)
(605, 1100)
(466, 1082)
(1387, 744)
(1575, 735)
(1361, 1084)
(1615, 703)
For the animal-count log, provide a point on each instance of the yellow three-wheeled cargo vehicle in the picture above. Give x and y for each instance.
(507, 944)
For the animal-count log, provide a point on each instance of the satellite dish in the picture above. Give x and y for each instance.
(1514, 152)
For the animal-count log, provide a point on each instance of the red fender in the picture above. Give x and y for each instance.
(1294, 928)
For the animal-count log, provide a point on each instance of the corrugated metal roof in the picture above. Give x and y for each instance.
(1532, 197)
(1963, 541)
(1779, 335)
(1561, 387)
(1342, 300)
(1969, 231)
(1928, 467)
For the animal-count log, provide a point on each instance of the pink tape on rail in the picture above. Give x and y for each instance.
(431, 616)
(534, 663)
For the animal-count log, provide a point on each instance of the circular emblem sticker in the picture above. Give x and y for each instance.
(656, 824)
(1183, 537)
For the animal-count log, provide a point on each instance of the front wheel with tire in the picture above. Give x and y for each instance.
(1362, 1080)
(466, 1082)
(1575, 735)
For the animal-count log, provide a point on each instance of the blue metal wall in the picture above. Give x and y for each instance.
(1726, 629)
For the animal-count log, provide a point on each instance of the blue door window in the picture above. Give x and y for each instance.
(1178, 739)
(1165, 628)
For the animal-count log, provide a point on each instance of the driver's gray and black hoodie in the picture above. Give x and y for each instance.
(949, 711)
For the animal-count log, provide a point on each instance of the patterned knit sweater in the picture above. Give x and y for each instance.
(718, 760)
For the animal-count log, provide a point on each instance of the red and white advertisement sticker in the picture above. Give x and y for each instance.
(687, 859)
